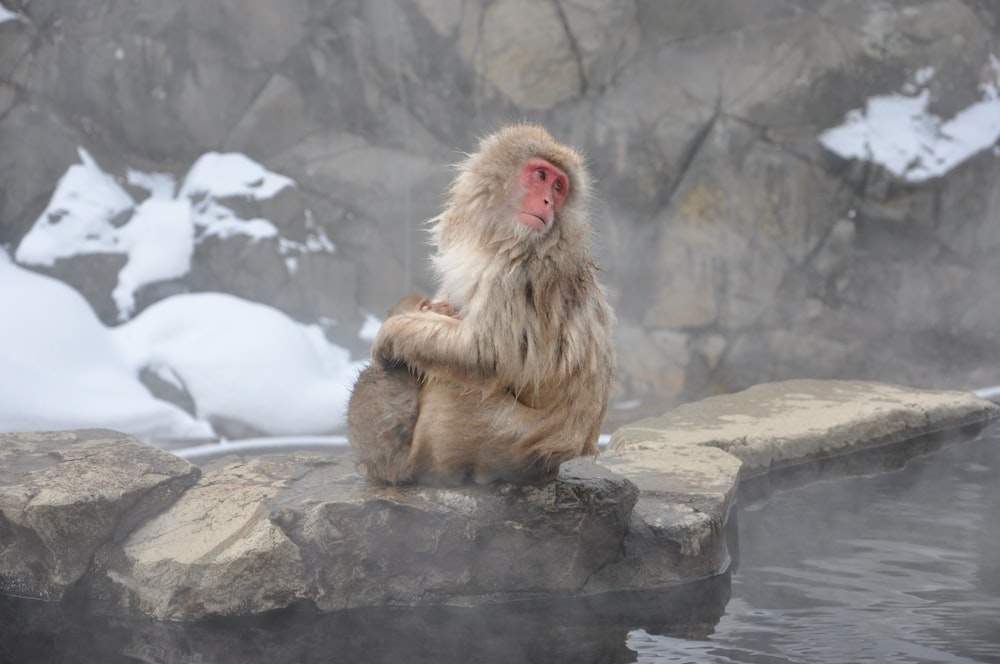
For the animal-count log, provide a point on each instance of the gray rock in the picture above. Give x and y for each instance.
(309, 527)
(263, 533)
(165, 384)
(777, 424)
(689, 462)
(94, 276)
(65, 494)
(678, 525)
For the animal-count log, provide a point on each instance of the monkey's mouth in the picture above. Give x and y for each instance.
(532, 221)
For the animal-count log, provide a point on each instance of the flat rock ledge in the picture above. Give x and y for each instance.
(66, 494)
(99, 515)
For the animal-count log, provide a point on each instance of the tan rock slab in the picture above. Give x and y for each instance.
(65, 494)
(689, 462)
(775, 424)
(258, 534)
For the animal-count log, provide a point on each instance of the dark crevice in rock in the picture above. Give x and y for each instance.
(692, 150)
(573, 46)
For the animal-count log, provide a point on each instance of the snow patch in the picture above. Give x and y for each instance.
(237, 360)
(62, 369)
(159, 241)
(369, 329)
(91, 212)
(79, 217)
(223, 175)
(8, 15)
(898, 133)
(244, 361)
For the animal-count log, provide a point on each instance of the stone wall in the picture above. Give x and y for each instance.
(737, 248)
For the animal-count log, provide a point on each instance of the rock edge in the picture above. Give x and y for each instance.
(99, 514)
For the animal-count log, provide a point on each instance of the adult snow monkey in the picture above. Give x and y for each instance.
(507, 372)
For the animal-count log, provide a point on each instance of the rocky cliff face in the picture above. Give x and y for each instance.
(739, 247)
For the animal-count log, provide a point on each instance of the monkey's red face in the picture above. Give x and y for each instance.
(544, 188)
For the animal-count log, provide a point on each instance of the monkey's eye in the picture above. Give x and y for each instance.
(541, 174)
(558, 186)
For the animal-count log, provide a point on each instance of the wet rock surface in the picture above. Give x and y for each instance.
(261, 533)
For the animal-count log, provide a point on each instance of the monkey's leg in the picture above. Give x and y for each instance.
(459, 439)
(381, 416)
(446, 436)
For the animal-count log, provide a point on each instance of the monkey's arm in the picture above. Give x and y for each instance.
(434, 342)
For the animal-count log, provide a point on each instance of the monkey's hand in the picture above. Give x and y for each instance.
(416, 308)
(396, 339)
(428, 341)
(412, 303)
(443, 308)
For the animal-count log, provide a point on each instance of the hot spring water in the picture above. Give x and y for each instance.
(893, 567)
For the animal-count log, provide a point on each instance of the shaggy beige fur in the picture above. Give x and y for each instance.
(518, 381)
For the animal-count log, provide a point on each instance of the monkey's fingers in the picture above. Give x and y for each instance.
(443, 308)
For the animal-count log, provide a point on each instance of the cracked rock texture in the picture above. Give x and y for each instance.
(262, 533)
(102, 515)
(64, 495)
(737, 250)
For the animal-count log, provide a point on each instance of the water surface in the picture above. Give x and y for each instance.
(896, 567)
